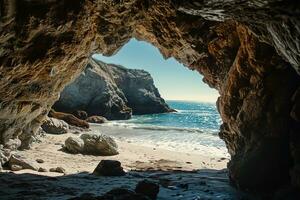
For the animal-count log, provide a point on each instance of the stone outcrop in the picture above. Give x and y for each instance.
(248, 50)
(111, 91)
(69, 119)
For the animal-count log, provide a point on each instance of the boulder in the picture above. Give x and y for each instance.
(99, 144)
(55, 126)
(92, 144)
(22, 162)
(112, 91)
(147, 188)
(80, 114)
(69, 118)
(74, 145)
(109, 168)
(96, 119)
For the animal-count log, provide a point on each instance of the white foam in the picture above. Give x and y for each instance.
(186, 140)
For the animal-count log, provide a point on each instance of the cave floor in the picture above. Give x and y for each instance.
(179, 175)
(201, 184)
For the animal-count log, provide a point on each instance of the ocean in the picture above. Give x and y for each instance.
(192, 129)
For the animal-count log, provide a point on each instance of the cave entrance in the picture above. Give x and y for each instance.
(191, 131)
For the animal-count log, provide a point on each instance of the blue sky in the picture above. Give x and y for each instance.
(173, 80)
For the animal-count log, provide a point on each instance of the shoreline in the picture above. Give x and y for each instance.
(132, 156)
(179, 175)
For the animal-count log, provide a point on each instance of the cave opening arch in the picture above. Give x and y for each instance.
(251, 63)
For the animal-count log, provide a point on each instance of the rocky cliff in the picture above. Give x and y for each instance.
(248, 50)
(112, 91)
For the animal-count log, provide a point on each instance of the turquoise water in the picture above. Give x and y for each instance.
(190, 115)
(193, 129)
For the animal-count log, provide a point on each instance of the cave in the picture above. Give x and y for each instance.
(248, 51)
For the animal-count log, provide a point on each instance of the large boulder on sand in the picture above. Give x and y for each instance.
(92, 144)
(99, 144)
(55, 126)
(74, 145)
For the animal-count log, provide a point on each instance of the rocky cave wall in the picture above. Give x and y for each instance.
(248, 50)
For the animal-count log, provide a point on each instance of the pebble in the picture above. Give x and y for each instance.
(40, 160)
(58, 170)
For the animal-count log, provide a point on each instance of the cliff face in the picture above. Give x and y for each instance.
(248, 50)
(111, 91)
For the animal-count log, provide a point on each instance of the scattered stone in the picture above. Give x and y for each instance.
(69, 118)
(109, 168)
(55, 126)
(74, 145)
(12, 144)
(147, 188)
(96, 119)
(16, 167)
(5, 155)
(80, 114)
(58, 170)
(98, 144)
(40, 160)
(23, 162)
(41, 169)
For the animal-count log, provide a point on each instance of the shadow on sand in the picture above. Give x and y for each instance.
(195, 185)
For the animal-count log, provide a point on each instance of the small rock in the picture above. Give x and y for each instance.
(4, 155)
(40, 160)
(58, 170)
(12, 144)
(96, 119)
(41, 169)
(80, 114)
(16, 167)
(55, 126)
(147, 188)
(23, 162)
(109, 168)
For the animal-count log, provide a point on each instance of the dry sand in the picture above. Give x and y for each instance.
(132, 157)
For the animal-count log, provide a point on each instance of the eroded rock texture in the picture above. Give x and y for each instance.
(112, 91)
(248, 50)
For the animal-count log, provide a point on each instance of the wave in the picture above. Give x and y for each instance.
(158, 128)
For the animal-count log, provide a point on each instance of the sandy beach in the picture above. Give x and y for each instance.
(132, 157)
(180, 175)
